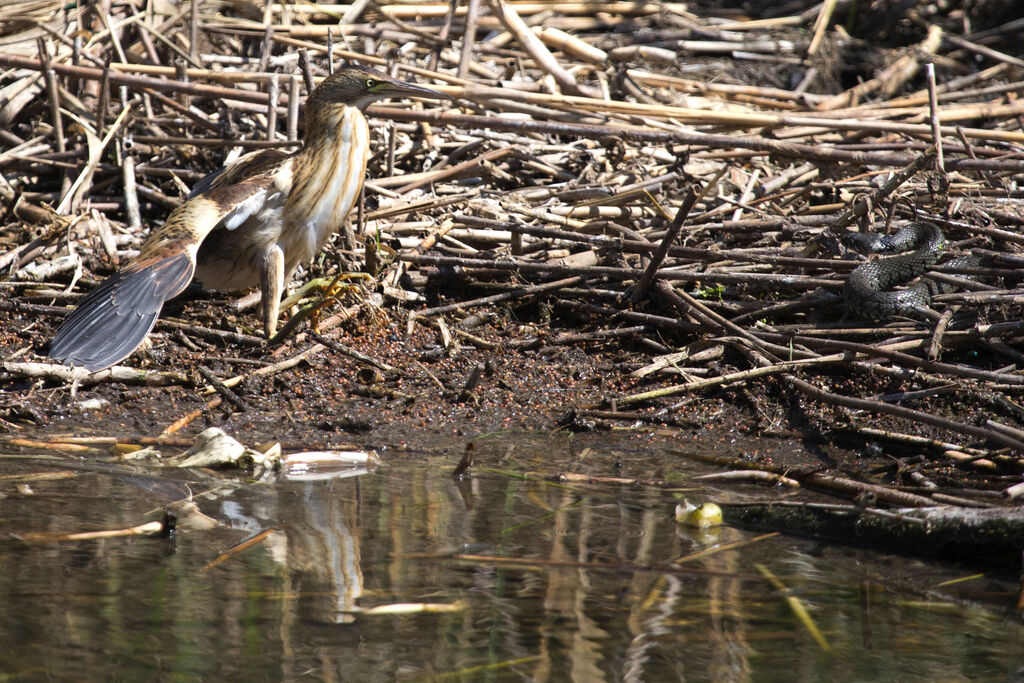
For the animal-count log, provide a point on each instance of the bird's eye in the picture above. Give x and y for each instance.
(370, 82)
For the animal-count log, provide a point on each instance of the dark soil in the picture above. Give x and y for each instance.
(328, 399)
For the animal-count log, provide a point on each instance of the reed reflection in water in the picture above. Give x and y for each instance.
(541, 580)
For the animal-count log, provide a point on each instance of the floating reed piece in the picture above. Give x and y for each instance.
(580, 131)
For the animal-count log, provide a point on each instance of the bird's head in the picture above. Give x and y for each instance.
(358, 86)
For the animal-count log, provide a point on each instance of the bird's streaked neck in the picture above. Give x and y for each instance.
(323, 124)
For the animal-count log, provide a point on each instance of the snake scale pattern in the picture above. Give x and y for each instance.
(866, 291)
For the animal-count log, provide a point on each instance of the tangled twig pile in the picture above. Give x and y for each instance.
(675, 183)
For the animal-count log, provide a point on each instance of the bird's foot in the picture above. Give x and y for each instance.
(327, 293)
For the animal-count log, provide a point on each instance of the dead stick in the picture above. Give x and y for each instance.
(967, 145)
(193, 31)
(982, 50)
(688, 305)
(280, 366)
(821, 25)
(762, 144)
(118, 78)
(273, 93)
(219, 387)
(244, 545)
(187, 419)
(819, 480)
(116, 373)
(890, 78)
(862, 207)
(933, 109)
(772, 280)
(468, 37)
(180, 73)
(52, 94)
(442, 36)
(895, 356)
(194, 113)
(644, 246)
(533, 45)
(131, 196)
(728, 378)
(267, 47)
(632, 316)
(935, 347)
(335, 345)
(214, 142)
(899, 411)
(293, 107)
(103, 105)
(497, 123)
(330, 51)
(659, 255)
(911, 439)
(600, 335)
(830, 398)
(472, 379)
(307, 72)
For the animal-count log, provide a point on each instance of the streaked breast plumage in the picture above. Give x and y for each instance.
(323, 195)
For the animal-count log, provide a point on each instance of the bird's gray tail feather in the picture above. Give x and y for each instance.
(113, 319)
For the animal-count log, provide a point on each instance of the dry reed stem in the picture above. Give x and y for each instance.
(579, 129)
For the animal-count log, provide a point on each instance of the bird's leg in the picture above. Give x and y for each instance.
(271, 286)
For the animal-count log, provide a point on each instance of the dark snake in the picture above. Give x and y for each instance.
(865, 290)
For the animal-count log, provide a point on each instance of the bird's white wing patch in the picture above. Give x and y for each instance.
(245, 209)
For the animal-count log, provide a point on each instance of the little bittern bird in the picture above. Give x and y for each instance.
(249, 224)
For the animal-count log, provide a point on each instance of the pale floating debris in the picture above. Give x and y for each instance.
(159, 528)
(331, 458)
(131, 454)
(303, 474)
(701, 516)
(214, 448)
(89, 404)
(312, 465)
(702, 168)
(188, 517)
(412, 608)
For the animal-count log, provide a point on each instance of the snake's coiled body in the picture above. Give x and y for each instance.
(865, 290)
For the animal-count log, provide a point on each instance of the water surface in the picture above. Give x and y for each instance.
(537, 580)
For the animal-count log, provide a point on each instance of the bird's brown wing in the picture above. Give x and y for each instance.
(227, 206)
(253, 163)
(113, 319)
